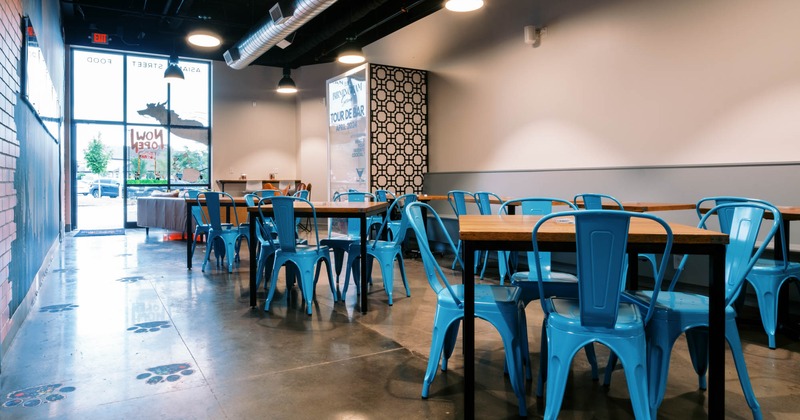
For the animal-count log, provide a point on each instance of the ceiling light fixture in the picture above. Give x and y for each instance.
(286, 84)
(351, 54)
(463, 5)
(204, 39)
(173, 72)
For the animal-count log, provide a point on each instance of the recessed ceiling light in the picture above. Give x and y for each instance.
(204, 39)
(463, 5)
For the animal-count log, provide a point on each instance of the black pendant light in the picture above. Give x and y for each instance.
(173, 72)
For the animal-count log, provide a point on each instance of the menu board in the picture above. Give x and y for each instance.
(348, 159)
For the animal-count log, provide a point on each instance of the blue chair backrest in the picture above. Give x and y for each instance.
(592, 201)
(267, 193)
(383, 195)
(197, 211)
(537, 206)
(725, 217)
(458, 201)
(436, 278)
(214, 201)
(402, 201)
(302, 194)
(284, 220)
(601, 240)
(353, 225)
(743, 219)
(484, 201)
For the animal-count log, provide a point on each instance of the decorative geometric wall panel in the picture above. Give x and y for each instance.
(398, 128)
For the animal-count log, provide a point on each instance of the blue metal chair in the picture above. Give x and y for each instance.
(679, 312)
(381, 196)
(340, 243)
(555, 283)
(483, 199)
(499, 305)
(228, 234)
(768, 275)
(266, 236)
(593, 201)
(386, 252)
(598, 314)
(304, 257)
(201, 226)
(458, 201)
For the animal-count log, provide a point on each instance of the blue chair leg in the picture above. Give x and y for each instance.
(450, 342)
(559, 358)
(330, 276)
(767, 290)
(513, 359)
(697, 341)
(458, 252)
(402, 267)
(634, 363)
(437, 343)
(660, 340)
(209, 246)
(732, 334)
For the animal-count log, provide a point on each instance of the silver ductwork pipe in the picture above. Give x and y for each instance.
(266, 34)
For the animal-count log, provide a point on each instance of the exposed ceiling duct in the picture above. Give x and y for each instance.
(266, 34)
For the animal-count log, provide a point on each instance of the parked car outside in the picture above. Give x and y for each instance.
(104, 187)
(83, 187)
(137, 191)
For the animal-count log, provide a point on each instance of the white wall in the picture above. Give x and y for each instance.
(622, 83)
(254, 128)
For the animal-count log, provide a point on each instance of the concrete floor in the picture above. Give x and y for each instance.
(122, 329)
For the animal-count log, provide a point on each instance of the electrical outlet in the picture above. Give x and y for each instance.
(230, 171)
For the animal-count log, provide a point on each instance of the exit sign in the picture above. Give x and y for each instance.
(98, 38)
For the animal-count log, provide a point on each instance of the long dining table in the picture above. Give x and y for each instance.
(513, 232)
(339, 209)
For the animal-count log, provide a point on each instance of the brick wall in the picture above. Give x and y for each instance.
(11, 39)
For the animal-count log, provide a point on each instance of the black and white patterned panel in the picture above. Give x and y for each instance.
(399, 128)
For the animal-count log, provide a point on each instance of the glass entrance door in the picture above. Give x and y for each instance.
(99, 175)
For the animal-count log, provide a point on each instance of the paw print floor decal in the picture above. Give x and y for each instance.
(37, 395)
(152, 326)
(131, 279)
(166, 373)
(58, 308)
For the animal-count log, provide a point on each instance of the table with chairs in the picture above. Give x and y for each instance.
(514, 232)
(639, 326)
(301, 209)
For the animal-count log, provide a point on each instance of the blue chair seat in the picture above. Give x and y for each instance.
(768, 266)
(487, 296)
(681, 304)
(566, 315)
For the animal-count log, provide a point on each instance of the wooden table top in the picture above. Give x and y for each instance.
(239, 201)
(434, 197)
(332, 206)
(518, 228)
(789, 213)
(646, 206)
